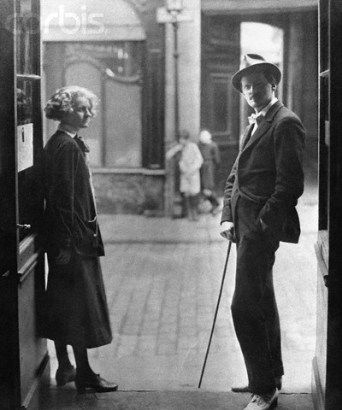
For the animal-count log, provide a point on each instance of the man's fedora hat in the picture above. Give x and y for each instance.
(253, 62)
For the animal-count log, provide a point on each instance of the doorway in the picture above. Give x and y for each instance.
(23, 354)
(162, 297)
(162, 276)
(281, 39)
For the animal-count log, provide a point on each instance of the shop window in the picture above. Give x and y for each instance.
(113, 70)
(27, 33)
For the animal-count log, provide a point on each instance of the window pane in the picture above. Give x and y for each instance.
(119, 59)
(27, 34)
(24, 102)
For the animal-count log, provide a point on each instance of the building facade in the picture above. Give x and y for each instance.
(122, 51)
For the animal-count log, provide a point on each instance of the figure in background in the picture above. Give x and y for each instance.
(76, 310)
(211, 160)
(189, 167)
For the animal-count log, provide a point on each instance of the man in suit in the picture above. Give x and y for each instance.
(260, 196)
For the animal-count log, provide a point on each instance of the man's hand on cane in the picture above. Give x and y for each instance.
(227, 231)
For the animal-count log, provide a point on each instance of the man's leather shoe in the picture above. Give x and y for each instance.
(246, 389)
(263, 401)
(65, 375)
(95, 383)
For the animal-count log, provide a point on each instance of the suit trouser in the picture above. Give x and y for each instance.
(254, 309)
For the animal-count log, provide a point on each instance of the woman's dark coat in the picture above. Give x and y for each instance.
(76, 310)
(70, 215)
(211, 159)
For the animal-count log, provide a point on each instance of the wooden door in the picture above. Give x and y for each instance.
(219, 101)
(327, 364)
(23, 354)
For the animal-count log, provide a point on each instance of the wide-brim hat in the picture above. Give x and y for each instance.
(251, 63)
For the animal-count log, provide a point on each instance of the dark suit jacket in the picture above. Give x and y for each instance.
(269, 171)
(70, 217)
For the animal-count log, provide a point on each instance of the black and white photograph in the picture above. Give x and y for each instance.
(170, 200)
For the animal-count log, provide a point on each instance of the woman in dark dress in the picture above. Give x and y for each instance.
(76, 310)
(211, 160)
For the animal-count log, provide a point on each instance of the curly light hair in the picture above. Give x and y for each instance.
(65, 99)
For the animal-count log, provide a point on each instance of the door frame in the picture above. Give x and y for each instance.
(327, 364)
(22, 260)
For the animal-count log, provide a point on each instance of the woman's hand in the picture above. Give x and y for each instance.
(63, 257)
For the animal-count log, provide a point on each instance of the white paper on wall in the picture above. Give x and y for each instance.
(25, 146)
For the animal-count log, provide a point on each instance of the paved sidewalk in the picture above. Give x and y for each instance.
(66, 399)
(162, 278)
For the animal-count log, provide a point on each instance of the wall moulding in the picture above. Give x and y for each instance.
(256, 6)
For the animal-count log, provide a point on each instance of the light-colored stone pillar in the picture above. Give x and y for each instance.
(189, 85)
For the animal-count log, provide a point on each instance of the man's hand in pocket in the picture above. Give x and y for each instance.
(63, 257)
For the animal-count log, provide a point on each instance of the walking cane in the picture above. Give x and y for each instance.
(216, 311)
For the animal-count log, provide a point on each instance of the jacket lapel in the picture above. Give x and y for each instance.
(265, 124)
(246, 135)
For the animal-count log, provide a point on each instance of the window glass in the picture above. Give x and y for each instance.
(27, 32)
(24, 102)
(119, 59)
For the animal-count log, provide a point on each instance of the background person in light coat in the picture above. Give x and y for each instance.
(189, 167)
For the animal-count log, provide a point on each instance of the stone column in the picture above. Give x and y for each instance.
(189, 92)
(295, 64)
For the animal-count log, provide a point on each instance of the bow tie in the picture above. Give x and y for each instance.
(84, 147)
(256, 118)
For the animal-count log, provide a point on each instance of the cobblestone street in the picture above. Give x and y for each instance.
(163, 277)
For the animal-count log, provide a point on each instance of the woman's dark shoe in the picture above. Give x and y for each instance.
(65, 375)
(95, 383)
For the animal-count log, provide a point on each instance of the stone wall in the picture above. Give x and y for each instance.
(129, 193)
